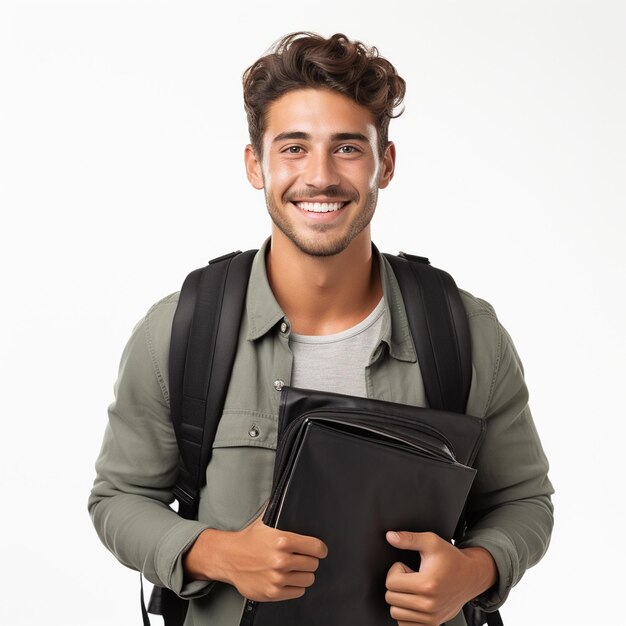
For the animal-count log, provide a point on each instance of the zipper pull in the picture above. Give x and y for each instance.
(248, 613)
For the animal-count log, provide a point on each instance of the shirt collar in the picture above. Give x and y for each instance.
(395, 331)
(263, 311)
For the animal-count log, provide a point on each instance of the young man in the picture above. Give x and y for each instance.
(323, 311)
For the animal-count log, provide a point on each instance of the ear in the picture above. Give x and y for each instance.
(388, 165)
(253, 167)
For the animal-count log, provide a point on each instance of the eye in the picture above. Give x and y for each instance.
(293, 150)
(347, 149)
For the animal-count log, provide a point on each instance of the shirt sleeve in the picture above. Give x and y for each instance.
(510, 512)
(137, 465)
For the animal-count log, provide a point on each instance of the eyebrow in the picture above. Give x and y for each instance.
(306, 136)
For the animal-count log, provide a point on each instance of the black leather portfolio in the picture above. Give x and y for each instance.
(348, 470)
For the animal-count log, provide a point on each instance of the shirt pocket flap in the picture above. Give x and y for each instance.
(246, 428)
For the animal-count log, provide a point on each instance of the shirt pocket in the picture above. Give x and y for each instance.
(239, 475)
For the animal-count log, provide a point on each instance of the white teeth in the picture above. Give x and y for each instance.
(320, 207)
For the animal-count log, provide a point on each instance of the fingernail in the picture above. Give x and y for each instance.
(394, 536)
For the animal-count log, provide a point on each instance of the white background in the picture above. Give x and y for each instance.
(121, 139)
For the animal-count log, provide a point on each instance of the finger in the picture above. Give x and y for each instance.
(419, 542)
(405, 582)
(285, 563)
(299, 579)
(410, 601)
(404, 616)
(302, 563)
(289, 593)
(399, 568)
(305, 545)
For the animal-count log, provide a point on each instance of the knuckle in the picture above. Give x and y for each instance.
(432, 538)
(272, 592)
(278, 562)
(429, 588)
(281, 542)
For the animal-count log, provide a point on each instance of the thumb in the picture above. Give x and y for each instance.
(404, 540)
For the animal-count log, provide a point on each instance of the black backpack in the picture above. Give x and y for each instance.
(204, 339)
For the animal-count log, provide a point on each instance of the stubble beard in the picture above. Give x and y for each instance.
(321, 245)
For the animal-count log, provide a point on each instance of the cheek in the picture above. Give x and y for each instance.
(373, 142)
(279, 177)
(373, 180)
(363, 177)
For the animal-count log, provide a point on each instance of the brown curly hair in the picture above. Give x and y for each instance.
(304, 59)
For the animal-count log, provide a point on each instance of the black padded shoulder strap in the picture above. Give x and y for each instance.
(203, 344)
(205, 331)
(439, 329)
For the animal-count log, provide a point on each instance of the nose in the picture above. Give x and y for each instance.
(321, 171)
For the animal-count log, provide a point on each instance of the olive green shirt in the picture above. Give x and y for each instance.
(509, 505)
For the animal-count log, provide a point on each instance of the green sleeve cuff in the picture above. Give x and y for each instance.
(503, 551)
(169, 560)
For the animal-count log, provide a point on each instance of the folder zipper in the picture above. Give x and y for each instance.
(248, 613)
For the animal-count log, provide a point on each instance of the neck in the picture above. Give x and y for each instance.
(324, 295)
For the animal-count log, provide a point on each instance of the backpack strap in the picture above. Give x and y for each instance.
(440, 331)
(205, 332)
(439, 328)
(476, 617)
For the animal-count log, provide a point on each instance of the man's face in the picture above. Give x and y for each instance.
(320, 169)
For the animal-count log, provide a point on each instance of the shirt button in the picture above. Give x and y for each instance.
(253, 432)
(284, 327)
(279, 384)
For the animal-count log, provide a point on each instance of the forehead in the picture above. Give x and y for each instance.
(319, 112)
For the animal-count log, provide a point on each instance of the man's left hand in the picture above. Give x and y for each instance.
(448, 578)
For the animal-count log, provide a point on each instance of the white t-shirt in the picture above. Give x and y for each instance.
(336, 362)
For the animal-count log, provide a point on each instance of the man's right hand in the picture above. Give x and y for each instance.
(263, 563)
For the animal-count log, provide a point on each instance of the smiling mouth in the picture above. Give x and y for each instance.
(320, 207)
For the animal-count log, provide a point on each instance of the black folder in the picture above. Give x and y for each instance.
(349, 469)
